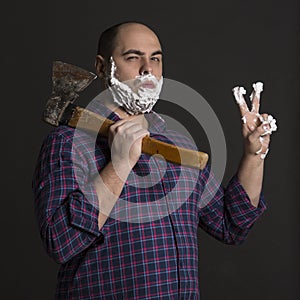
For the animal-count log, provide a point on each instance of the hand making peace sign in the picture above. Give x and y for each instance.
(256, 127)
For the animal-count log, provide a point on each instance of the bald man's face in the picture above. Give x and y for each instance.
(138, 51)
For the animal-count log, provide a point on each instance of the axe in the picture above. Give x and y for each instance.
(67, 81)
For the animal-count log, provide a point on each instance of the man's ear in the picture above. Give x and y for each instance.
(100, 66)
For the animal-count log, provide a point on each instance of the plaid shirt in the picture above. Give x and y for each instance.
(147, 249)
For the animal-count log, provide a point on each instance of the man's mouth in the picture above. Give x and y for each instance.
(147, 85)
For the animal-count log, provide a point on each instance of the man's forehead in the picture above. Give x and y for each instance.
(137, 36)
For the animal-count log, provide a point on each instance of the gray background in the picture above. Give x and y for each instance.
(209, 46)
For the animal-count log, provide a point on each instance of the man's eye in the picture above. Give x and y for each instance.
(132, 57)
(155, 58)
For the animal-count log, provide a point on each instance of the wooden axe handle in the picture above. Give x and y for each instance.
(86, 119)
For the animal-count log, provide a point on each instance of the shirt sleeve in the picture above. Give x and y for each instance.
(65, 203)
(227, 213)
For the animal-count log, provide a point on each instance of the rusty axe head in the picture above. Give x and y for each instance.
(67, 81)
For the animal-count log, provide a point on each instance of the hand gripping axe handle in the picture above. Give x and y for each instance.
(67, 81)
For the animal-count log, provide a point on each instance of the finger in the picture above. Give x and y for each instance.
(265, 140)
(117, 124)
(114, 128)
(260, 146)
(257, 137)
(133, 129)
(137, 137)
(269, 123)
(264, 149)
(130, 131)
(140, 119)
(140, 133)
(264, 154)
(265, 124)
(255, 96)
(260, 131)
(123, 125)
(239, 93)
(119, 128)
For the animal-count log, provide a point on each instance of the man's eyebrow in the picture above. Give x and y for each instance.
(133, 51)
(158, 52)
(138, 52)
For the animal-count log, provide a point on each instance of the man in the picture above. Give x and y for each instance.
(123, 225)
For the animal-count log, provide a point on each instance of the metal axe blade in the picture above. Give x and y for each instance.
(67, 81)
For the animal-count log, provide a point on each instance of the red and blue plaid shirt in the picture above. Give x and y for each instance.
(147, 249)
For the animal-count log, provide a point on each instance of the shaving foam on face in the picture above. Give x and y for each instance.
(137, 95)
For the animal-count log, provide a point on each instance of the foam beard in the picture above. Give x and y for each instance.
(136, 96)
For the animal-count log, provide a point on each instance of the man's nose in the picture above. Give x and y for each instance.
(146, 68)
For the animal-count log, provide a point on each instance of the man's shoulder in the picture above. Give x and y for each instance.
(61, 133)
(66, 138)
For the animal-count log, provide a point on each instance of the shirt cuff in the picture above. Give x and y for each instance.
(84, 214)
(244, 214)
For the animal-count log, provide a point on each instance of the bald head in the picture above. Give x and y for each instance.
(111, 37)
